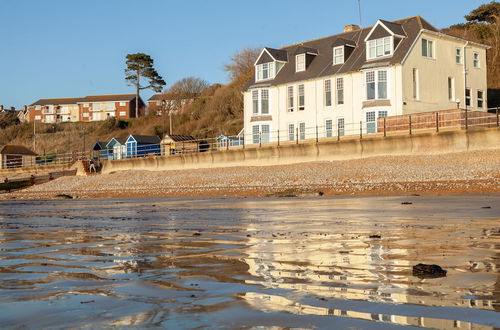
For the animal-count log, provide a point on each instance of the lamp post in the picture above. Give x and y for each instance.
(164, 108)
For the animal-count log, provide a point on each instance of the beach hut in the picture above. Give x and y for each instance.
(14, 156)
(142, 145)
(116, 148)
(100, 149)
(224, 141)
(176, 144)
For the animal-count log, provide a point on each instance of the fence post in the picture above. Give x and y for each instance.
(297, 135)
(260, 139)
(409, 123)
(385, 133)
(437, 122)
(360, 129)
(278, 138)
(466, 120)
(316, 133)
(227, 143)
(338, 132)
(497, 119)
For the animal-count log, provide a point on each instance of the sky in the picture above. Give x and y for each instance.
(74, 48)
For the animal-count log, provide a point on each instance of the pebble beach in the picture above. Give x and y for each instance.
(464, 172)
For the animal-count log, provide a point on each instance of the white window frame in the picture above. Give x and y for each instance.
(480, 99)
(258, 97)
(339, 90)
(476, 63)
(458, 56)
(302, 130)
(415, 84)
(291, 132)
(431, 48)
(85, 114)
(451, 89)
(38, 117)
(301, 93)
(255, 102)
(328, 128)
(290, 99)
(38, 107)
(300, 62)
(110, 106)
(264, 96)
(384, 44)
(327, 88)
(123, 113)
(377, 84)
(268, 68)
(341, 128)
(122, 104)
(338, 55)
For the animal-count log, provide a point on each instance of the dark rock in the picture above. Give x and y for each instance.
(406, 203)
(375, 236)
(197, 234)
(486, 207)
(63, 196)
(428, 271)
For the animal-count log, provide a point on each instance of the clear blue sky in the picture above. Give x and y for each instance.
(72, 48)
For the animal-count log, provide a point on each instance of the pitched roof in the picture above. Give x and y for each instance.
(99, 144)
(396, 28)
(71, 100)
(278, 54)
(179, 138)
(13, 149)
(322, 66)
(146, 139)
(104, 98)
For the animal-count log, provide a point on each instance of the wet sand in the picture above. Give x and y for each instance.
(250, 262)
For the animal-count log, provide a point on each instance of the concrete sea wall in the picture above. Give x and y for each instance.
(324, 150)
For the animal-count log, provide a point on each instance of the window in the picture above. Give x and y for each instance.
(451, 89)
(370, 85)
(110, 106)
(123, 113)
(290, 98)
(96, 106)
(328, 93)
(379, 47)
(475, 60)
(85, 114)
(329, 128)
(255, 102)
(371, 125)
(300, 62)
(38, 117)
(340, 126)
(265, 133)
(264, 102)
(338, 55)
(376, 85)
(255, 134)
(85, 105)
(427, 48)
(340, 91)
(382, 114)
(291, 132)
(265, 71)
(302, 99)
(480, 99)
(122, 104)
(38, 107)
(415, 83)
(467, 97)
(458, 55)
(302, 131)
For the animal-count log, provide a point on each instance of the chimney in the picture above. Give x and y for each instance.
(351, 27)
(1, 107)
(12, 108)
(25, 107)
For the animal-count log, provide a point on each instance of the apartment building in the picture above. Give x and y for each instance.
(89, 108)
(391, 68)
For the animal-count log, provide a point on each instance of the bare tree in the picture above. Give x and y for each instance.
(242, 63)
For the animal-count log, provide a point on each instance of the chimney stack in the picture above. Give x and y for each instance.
(12, 108)
(1, 107)
(351, 27)
(25, 107)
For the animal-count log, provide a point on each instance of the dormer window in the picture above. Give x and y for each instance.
(300, 62)
(379, 47)
(265, 71)
(338, 55)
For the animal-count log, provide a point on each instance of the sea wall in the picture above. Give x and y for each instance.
(324, 150)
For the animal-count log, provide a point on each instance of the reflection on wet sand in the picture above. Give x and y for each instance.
(245, 263)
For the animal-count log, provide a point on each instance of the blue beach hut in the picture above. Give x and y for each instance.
(116, 148)
(142, 145)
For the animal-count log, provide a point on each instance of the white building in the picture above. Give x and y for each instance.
(340, 84)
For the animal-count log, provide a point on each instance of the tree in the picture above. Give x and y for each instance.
(188, 86)
(242, 64)
(487, 13)
(139, 66)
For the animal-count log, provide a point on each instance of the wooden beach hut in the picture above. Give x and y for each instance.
(142, 145)
(175, 144)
